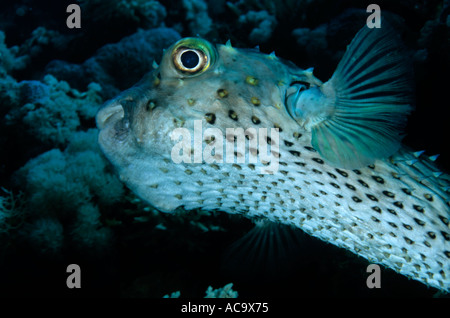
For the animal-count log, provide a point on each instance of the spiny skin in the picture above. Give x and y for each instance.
(394, 212)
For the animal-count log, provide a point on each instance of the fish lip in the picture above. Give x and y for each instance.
(109, 114)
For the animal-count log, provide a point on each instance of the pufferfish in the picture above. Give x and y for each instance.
(341, 173)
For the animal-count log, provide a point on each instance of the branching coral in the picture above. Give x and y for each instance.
(8, 57)
(263, 25)
(52, 110)
(197, 16)
(71, 184)
(46, 235)
(224, 292)
(145, 14)
(120, 65)
(58, 181)
(10, 211)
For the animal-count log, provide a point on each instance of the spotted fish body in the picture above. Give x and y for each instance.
(393, 211)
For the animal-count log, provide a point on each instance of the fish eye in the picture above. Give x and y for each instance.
(190, 60)
(193, 56)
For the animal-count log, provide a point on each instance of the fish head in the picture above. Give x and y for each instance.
(196, 84)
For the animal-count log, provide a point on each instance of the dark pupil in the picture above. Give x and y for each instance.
(189, 59)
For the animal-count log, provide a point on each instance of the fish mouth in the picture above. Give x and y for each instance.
(109, 114)
(114, 126)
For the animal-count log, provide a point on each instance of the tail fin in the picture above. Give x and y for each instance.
(371, 89)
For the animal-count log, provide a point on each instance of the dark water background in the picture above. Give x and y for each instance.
(144, 261)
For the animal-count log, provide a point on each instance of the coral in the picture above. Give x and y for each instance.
(175, 294)
(9, 94)
(10, 211)
(45, 235)
(71, 184)
(263, 25)
(88, 231)
(41, 39)
(8, 58)
(313, 41)
(64, 181)
(117, 66)
(224, 292)
(143, 13)
(52, 110)
(197, 16)
(66, 197)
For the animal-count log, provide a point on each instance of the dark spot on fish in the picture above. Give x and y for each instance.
(408, 240)
(310, 149)
(332, 175)
(255, 101)
(371, 197)
(288, 143)
(278, 126)
(363, 183)
(317, 171)
(342, 173)
(446, 236)
(222, 93)
(301, 164)
(407, 226)
(420, 222)
(432, 235)
(356, 199)
(357, 172)
(389, 194)
(392, 224)
(391, 211)
(351, 187)
(443, 219)
(407, 191)
(318, 160)
(376, 209)
(256, 120)
(295, 153)
(210, 118)
(335, 185)
(232, 114)
(378, 179)
(296, 135)
(398, 204)
(418, 208)
(375, 219)
(151, 104)
(428, 196)
(447, 253)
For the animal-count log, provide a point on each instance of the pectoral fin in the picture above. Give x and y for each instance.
(371, 95)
